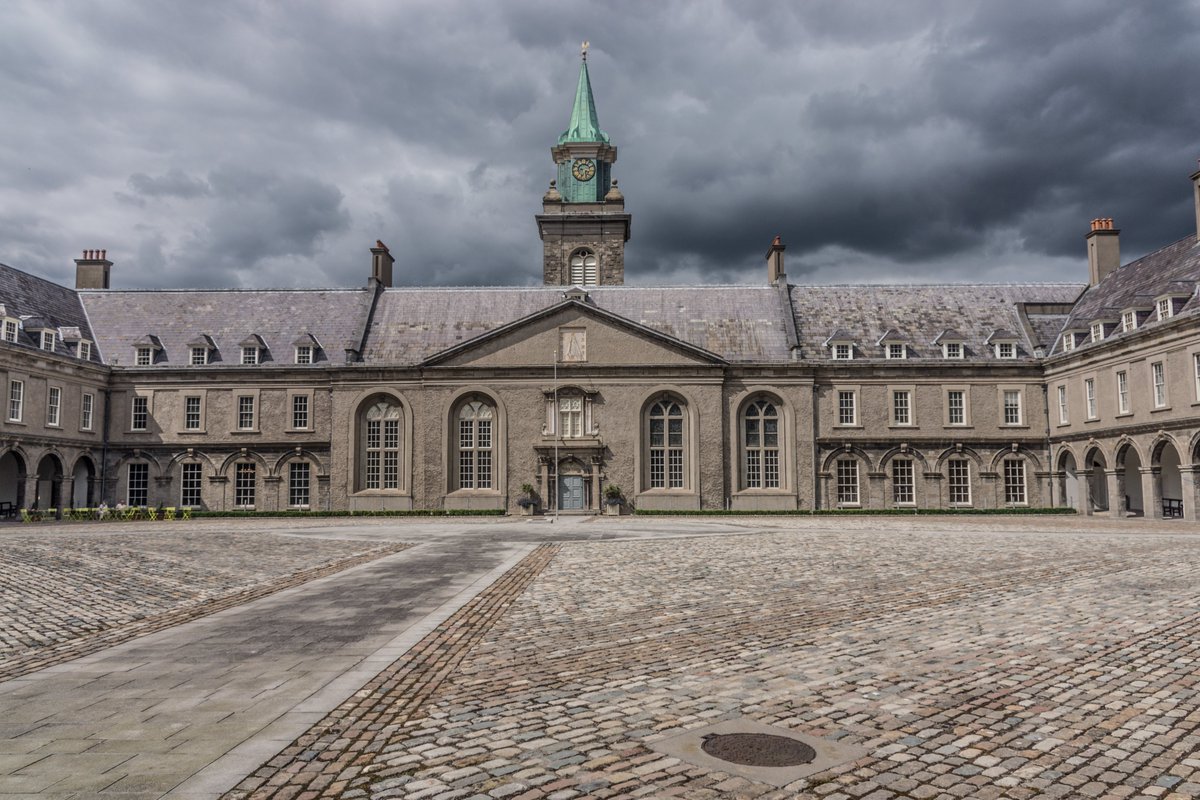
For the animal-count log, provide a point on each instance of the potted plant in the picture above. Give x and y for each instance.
(612, 500)
(527, 500)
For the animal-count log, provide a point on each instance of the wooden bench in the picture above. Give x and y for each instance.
(1172, 508)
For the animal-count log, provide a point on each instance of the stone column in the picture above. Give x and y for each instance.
(544, 481)
(877, 491)
(1190, 481)
(988, 486)
(595, 503)
(931, 497)
(66, 492)
(1115, 481)
(1151, 492)
(31, 488)
(272, 485)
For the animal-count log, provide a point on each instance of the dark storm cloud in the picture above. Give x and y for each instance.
(228, 143)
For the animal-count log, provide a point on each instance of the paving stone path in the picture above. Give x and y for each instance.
(982, 658)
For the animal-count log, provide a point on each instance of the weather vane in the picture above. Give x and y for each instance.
(583, 49)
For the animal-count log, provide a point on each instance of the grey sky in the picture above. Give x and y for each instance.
(271, 143)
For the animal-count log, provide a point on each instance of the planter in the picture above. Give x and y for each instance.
(527, 511)
(612, 509)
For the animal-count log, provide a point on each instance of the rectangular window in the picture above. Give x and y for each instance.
(16, 400)
(84, 351)
(391, 453)
(902, 482)
(244, 484)
(1097, 331)
(1012, 407)
(10, 330)
(1089, 393)
(901, 408)
(843, 352)
(1159, 380)
(189, 485)
(298, 474)
(956, 407)
(145, 357)
(304, 354)
(483, 451)
(199, 356)
(1128, 321)
(847, 482)
(896, 351)
(1006, 350)
(191, 413)
(140, 413)
(53, 406)
(48, 340)
(1164, 308)
(249, 355)
(847, 411)
(246, 412)
(85, 411)
(1122, 393)
(1196, 372)
(952, 350)
(570, 417)
(959, 474)
(1014, 482)
(139, 484)
(373, 450)
(1063, 413)
(300, 412)
(1068, 342)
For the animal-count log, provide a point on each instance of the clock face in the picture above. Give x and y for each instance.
(583, 169)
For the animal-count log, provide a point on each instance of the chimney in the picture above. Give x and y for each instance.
(1196, 194)
(92, 271)
(1103, 249)
(775, 272)
(381, 264)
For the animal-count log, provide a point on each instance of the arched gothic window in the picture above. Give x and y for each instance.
(474, 445)
(760, 445)
(381, 446)
(667, 457)
(584, 268)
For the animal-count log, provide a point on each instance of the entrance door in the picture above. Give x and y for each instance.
(570, 493)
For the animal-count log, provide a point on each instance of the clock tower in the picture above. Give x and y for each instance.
(583, 224)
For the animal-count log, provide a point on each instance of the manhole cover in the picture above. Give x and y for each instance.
(757, 749)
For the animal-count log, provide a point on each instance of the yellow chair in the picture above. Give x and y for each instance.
(151, 513)
(187, 512)
(169, 513)
(26, 516)
(128, 513)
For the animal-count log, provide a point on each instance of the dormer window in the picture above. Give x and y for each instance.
(304, 354)
(1164, 309)
(249, 355)
(306, 349)
(1129, 321)
(200, 350)
(897, 350)
(199, 356)
(83, 350)
(144, 357)
(1006, 350)
(11, 326)
(843, 352)
(48, 339)
(1068, 342)
(952, 350)
(1097, 331)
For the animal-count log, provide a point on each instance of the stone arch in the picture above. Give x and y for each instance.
(298, 453)
(50, 473)
(955, 452)
(1122, 449)
(920, 466)
(975, 468)
(14, 467)
(1169, 495)
(191, 456)
(1072, 481)
(1193, 449)
(85, 477)
(1030, 456)
(119, 483)
(244, 455)
(1128, 460)
(1020, 488)
(829, 476)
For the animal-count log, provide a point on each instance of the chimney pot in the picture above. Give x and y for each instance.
(1103, 249)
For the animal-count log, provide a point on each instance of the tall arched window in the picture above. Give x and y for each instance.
(760, 445)
(584, 268)
(667, 456)
(475, 445)
(381, 446)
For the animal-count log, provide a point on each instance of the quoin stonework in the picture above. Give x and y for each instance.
(773, 396)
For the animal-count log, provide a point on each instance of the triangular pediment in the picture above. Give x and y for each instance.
(581, 335)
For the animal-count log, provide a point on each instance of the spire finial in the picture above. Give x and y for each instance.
(583, 49)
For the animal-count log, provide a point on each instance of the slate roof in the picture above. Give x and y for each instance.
(176, 317)
(23, 294)
(1172, 269)
(738, 323)
(920, 313)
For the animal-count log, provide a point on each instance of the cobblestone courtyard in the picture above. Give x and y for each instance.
(968, 658)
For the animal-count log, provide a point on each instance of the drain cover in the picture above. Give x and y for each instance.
(757, 749)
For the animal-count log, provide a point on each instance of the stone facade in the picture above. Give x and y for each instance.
(753, 397)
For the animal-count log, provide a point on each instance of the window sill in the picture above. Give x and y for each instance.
(14, 422)
(1014, 426)
(846, 426)
(299, 430)
(906, 426)
(384, 493)
(753, 492)
(1130, 413)
(958, 426)
(1090, 420)
(193, 432)
(236, 431)
(455, 493)
(1161, 408)
(86, 430)
(54, 427)
(133, 431)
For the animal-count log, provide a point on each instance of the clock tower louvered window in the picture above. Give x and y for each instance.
(584, 270)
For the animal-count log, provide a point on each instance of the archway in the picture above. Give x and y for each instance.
(49, 482)
(1097, 481)
(1072, 490)
(85, 480)
(1131, 466)
(1169, 481)
(12, 481)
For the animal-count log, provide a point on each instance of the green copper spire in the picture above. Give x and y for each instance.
(585, 127)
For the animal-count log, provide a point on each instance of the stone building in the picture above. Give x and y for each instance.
(773, 396)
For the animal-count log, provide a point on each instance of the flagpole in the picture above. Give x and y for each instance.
(557, 434)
